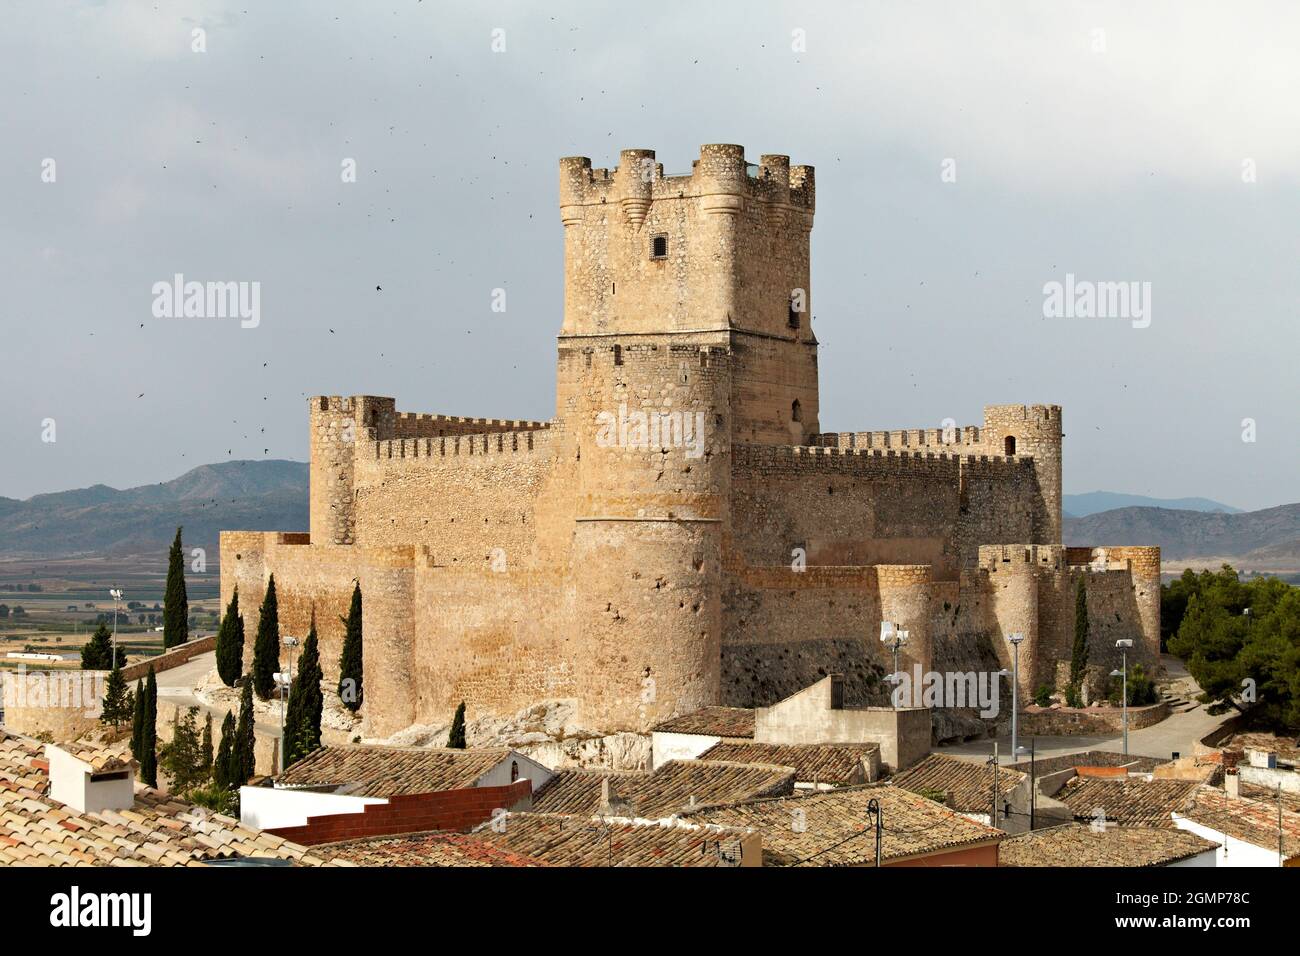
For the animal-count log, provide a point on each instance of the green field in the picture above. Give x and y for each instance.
(73, 595)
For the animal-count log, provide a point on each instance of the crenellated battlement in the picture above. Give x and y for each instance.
(721, 171)
(453, 446)
(801, 459)
(1018, 557)
(961, 436)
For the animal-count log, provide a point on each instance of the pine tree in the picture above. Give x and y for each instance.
(97, 653)
(148, 755)
(205, 751)
(137, 719)
(183, 757)
(306, 704)
(1079, 652)
(224, 769)
(118, 703)
(230, 643)
(244, 762)
(266, 646)
(176, 605)
(350, 668)
(456, 738)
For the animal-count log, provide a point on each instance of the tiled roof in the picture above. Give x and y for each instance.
(433, 848)
(566, 840)
(1286, 748)
(1074, 844)
(1254, 821)
(100, 759)
(1289, 801)
(1133, 802)
(712, 722)
(666, 790)
(967, 785)
(390, 771)
(158, 830)
(833, 828)
(1042, 766)
(824, 763)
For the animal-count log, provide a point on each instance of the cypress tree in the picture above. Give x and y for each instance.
(350, 669)
(176, 605)
(118, 705)
(137, 719)
(224, 769)
(306, 704)
(205, 749)
(230, 643)
(244, 762)
(148, 756)
(456, 738)
(1079, 652)
(97, 653)
(266, 646)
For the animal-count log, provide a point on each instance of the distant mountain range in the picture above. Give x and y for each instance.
(233, 495)
(272, 496)
(1080, 506)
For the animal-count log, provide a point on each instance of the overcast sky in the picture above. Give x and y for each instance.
(1119, 155)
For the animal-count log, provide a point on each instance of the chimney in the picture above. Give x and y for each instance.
(1232, 784)
(90, 780)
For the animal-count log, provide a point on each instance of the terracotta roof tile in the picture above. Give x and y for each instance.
(666, 790)
(833, 827)
(1243, 818)
(390, 771)
(433, 848)
(712, 722)
(837, 764)
(572, 840)
(1132, 802)
(967, 785)
(1074, 844)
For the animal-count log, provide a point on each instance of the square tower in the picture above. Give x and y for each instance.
(719, 256)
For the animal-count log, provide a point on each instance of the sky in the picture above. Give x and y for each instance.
(967, 156)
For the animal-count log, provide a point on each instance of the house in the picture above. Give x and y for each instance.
(1075, 844)
(1251, 832)
(580, 840)
(836, 828)
(70, 805)
(816, 766)
(815, 715)
(339, 793)
(967, 786)
(671, 788)
(1131, 801)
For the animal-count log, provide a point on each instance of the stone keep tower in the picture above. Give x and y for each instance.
(686, 326)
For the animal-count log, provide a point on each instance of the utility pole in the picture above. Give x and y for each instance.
(993, 816)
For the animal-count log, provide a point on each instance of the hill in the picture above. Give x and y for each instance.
(247, 495)
(1080, 506)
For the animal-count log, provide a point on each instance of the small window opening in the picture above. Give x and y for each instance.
(796, 411)
(514, 770)
(793, 319)
(659, 247)
(1010, 444)
(618, 355)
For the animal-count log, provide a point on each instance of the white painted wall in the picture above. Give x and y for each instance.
(529, 769)
(70, 784)
(269, 807)
(668, 746)
(1233, 852)
(1206, 858)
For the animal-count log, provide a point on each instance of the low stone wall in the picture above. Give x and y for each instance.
(173, 658)
(1087, 721)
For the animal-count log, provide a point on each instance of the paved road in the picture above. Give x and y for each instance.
(1178, 733)
(177, 686)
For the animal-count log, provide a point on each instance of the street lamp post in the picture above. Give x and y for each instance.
(1015, 640)
(892, 634)
(1124, 644)
(116, 595)
(284, 683)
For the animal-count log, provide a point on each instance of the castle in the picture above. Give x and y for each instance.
(681, 533)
